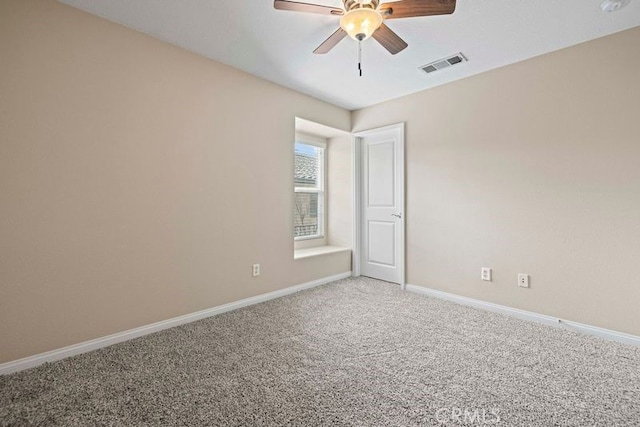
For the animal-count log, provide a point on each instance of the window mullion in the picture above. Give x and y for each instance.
(307, 190)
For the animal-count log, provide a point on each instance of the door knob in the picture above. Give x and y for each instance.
(397, 215)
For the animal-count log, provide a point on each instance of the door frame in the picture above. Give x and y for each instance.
(356, 155)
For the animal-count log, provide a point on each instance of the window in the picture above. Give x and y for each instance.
(308, 208)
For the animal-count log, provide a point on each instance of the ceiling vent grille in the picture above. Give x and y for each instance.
(434, 66)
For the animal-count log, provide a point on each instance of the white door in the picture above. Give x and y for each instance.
(382, 203)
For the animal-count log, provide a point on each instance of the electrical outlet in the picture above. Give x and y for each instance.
(485, 274)
(256, 270)
(523, 280)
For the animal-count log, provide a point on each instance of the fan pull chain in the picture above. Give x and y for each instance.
(360, 57)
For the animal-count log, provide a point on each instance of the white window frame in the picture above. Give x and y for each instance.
(320, 190)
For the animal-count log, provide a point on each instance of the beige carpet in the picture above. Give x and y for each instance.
(355, 352)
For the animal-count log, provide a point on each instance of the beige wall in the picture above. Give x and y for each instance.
(138, 181)
(532, 168)
(340, 192)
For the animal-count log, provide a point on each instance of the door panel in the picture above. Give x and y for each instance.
(382, 242)
(381, 174)
(382, 222)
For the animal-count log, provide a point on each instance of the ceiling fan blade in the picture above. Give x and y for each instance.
(390, 40)
(307, 7)
(329, 43)
(411, 8)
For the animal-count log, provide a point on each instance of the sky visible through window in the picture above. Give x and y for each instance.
(306, 150)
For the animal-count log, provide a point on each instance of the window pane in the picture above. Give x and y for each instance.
(305, 214)
(307, 166)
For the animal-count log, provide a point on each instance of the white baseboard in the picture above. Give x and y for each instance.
(86, 346)
(529, 315)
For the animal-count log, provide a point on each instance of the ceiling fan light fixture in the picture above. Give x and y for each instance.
(360, 23)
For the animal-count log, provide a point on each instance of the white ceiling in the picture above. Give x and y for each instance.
(277, 45)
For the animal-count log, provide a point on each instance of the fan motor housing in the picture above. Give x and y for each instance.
(360, 4)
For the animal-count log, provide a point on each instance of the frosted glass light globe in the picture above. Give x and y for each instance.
(361, 23)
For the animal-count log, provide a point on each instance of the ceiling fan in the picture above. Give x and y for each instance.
(361, 19)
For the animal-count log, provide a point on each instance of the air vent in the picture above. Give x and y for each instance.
(443, 63)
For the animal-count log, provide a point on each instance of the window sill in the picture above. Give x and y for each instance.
(317, 251)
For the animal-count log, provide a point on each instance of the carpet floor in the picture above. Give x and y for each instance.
(354, 352)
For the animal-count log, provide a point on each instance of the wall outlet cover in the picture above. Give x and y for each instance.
(523, 280)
